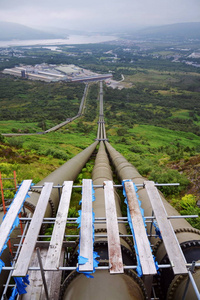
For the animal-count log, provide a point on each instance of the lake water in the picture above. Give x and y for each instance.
(72, 39)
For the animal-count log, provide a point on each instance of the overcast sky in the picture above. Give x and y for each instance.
(99, 15)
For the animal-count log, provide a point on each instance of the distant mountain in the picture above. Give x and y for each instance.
(179, 31)
(63, 31)
(14, 31)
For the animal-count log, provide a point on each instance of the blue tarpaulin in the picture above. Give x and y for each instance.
(16, 222)
(20, 282)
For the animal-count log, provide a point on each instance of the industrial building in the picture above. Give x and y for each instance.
(50, 73)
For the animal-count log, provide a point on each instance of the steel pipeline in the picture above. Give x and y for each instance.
(68, 171)
(188, 237)
(127, 286)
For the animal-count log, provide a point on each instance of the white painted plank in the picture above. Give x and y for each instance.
(143, 246)
(13, 211)
(28, 246)
(114, 247)
(55, 247)
(86, 233)
(171, 243)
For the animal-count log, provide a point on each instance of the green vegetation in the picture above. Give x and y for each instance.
(33, 101)
(187, 205)
(154, 122)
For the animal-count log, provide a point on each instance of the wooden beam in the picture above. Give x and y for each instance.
(114, 247)
(55, 247)
(13, 211)
(171, 243)
(86, 231)
(28, 246)
(143, 246)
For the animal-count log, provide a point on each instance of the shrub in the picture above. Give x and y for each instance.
(2, 139)
(169, 176)
(188, 206)
(121, 131)
(56, 153)
(15, 142)
(72, 212)
(135, 149)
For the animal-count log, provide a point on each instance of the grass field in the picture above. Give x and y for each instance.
(158, 78)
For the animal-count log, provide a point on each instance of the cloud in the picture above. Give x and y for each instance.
(104, 14)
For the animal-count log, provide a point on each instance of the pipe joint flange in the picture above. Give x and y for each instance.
(125, 238)
(179, 230)
(124, 249)
(53, 211)
(189, 244)
(35, 191)
(66, 282)
(192, 230)
(27, 205)
(188, 249)
(156, 246)
(176, 282)
(130, 273)
(174, 285)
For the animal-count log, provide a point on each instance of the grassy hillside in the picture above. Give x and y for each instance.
(137, 124)
(154, 122)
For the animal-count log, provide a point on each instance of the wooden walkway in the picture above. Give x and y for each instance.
(52, 255)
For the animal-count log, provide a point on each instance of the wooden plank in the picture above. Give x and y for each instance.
(55, 247)
(143, 246)
(28, 246)
(13, 211)
(53, 280)
(86, 231)
(114, 247)
(171, 243)
(35, 289)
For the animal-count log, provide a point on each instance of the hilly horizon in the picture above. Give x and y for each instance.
(15, 31)
(172, 31)
(179, 31)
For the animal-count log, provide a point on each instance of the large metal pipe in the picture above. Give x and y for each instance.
(188, 237)
(102, 172)
(68, 171)
(81, 108)
(127, 286)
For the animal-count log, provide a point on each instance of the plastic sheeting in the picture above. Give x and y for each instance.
(21, 283)
(16, 222)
